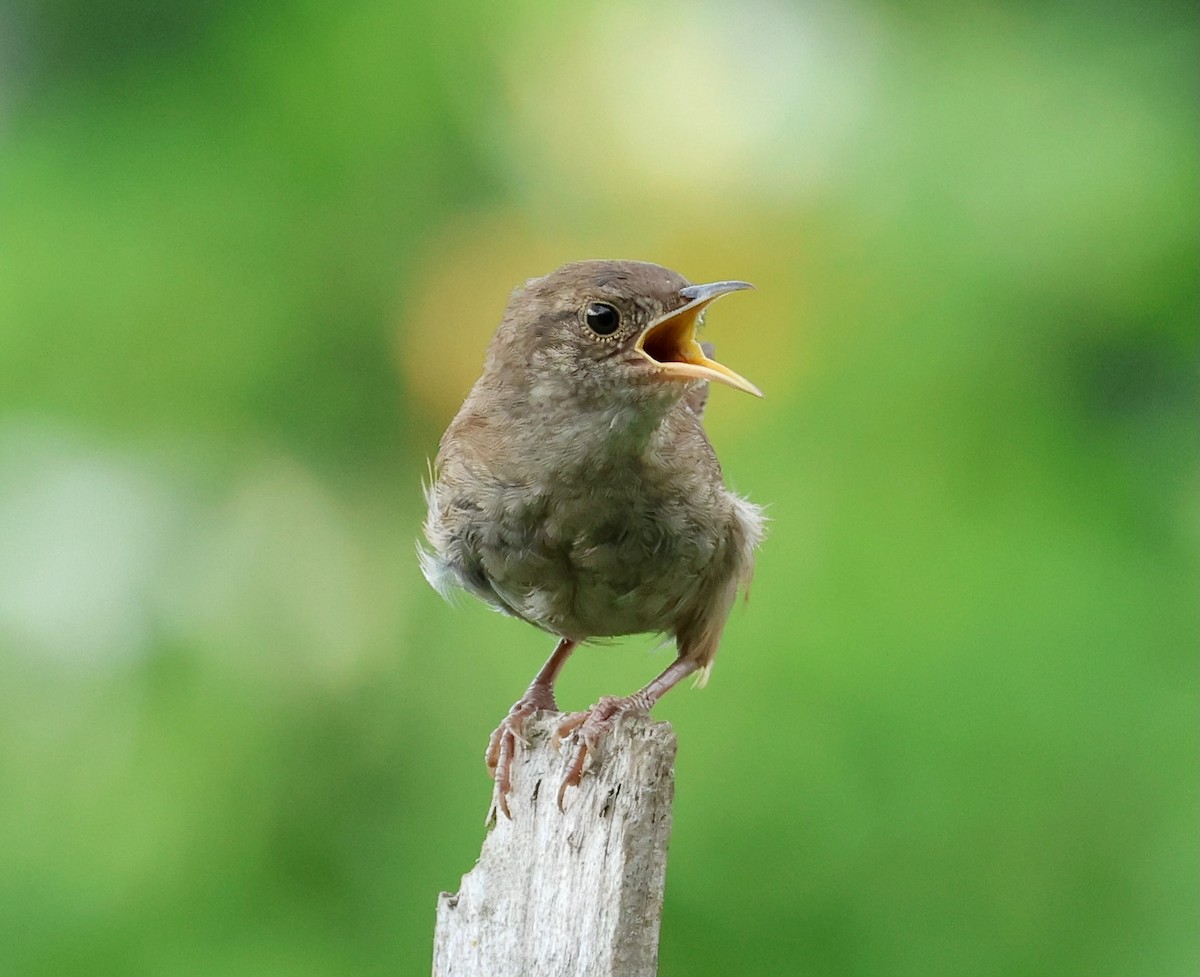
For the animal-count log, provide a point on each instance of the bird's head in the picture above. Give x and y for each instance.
(612, 331)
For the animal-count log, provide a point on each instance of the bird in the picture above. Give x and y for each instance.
(576, 488)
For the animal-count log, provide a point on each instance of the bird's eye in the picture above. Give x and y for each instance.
(602, 318)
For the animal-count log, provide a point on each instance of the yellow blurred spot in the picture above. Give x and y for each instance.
(457, 297)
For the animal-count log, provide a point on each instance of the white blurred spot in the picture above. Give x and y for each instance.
(758, 97)
(80, 536)
(101, 557)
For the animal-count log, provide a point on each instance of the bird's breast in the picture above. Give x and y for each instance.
(606, 552)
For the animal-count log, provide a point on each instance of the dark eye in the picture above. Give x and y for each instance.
(602, 319)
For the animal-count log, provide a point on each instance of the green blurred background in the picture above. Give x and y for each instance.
(249, 260)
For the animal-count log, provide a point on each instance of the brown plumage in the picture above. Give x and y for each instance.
(576, 489)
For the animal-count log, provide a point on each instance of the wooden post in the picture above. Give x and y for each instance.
(574, 894)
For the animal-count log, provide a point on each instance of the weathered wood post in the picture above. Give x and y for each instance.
(574, 894)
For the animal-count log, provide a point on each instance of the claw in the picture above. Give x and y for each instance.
(502, 747)
(589, 727)
(573, 776)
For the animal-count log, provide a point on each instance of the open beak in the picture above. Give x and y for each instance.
(669, 342)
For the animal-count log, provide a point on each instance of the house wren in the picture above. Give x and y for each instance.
(576, 489)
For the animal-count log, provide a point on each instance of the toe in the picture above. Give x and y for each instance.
(589, 728)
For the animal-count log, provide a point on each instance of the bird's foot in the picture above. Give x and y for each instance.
(589, 727)
(502, 747)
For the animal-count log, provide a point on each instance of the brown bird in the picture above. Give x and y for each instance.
(576, 488)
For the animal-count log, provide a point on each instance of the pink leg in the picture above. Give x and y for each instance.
(502, 747)
(591, 724)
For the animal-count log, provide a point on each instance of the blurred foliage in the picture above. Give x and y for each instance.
(249, 258)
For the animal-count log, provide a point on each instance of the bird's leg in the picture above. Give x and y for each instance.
(503, 745)
(591, 724)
